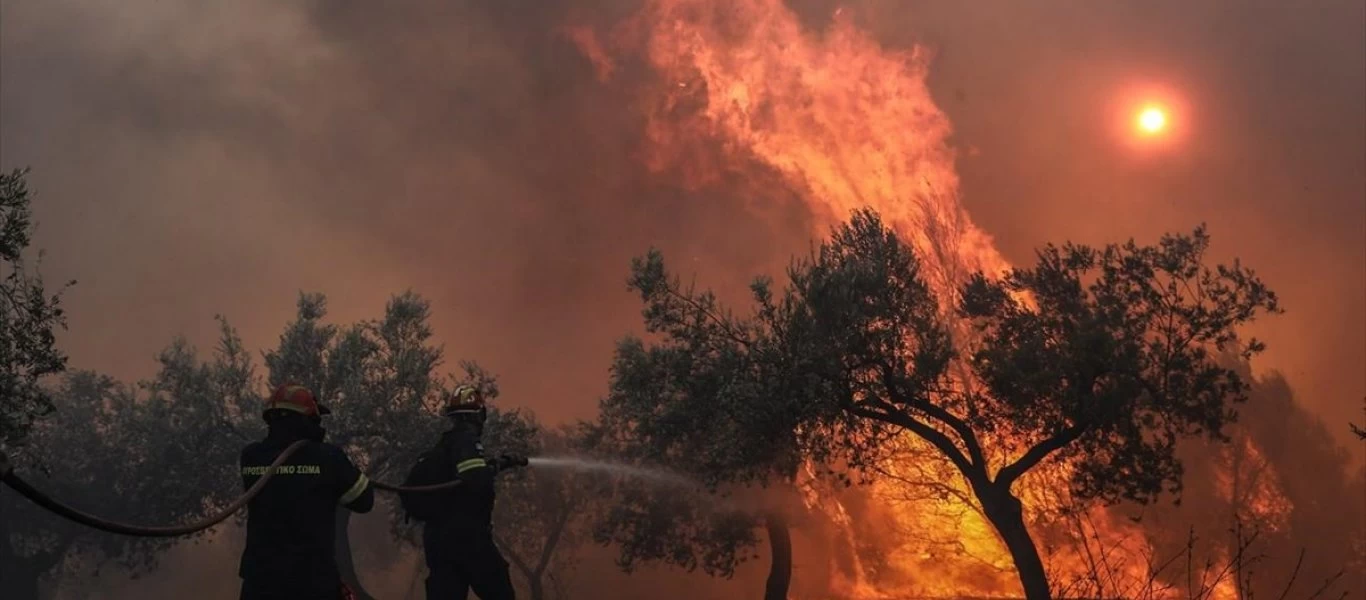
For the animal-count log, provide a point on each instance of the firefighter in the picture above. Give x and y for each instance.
(291, 524)
(458, 540)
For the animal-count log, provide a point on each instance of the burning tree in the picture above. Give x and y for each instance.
(1102, 359)
(710, 398)
(1277, 491)
(28, 318)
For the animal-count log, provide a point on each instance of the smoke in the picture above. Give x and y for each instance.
(201, 158)
(218, 160)
(194, 160)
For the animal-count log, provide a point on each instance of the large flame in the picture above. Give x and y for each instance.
(846, 123)
(741, 87)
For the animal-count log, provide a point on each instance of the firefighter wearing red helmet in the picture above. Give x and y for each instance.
(291, 524)
(457, 537)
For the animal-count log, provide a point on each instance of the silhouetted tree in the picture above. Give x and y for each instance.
(29, 318)
(167, 449)
(541, 515)
(1284, 484)
(1361, 433)
(710, 397)
(157, 453)
(383, 382)
(1103, 358)
(380, 379)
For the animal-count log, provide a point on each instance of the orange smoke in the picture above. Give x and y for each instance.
(739, 87)
(845, 122)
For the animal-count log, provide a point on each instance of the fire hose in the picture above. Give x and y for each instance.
(10, 478)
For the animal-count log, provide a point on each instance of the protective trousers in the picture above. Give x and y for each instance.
(459, 566)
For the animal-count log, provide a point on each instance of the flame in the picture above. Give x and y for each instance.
(740, 87)
(845, 122)
(1251, 487)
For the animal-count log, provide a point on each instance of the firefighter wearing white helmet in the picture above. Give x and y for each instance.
(457, 535)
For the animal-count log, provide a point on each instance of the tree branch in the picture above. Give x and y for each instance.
(937, 438)
(513, 557)
(938, 412)
(1007, 475)
(549, 549)
(726, 327)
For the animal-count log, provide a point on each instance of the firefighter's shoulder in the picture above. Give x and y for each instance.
(332, 453)
(466, 441)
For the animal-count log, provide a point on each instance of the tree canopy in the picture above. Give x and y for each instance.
(29, 318)
(157, 453)
(711, 395)
(1100, 358)
(165, 450)
(541, 515)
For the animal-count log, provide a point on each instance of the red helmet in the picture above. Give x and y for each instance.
(295, 397)
(466, 400)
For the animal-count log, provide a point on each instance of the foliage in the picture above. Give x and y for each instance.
(155, 453)
(166, 450)
(29, 317)
(1116, 356)
(1276, 490)
(379, 377)
(541, 515)
(1101, 357)
(701, 401)
(730, 403)
(1360, 433)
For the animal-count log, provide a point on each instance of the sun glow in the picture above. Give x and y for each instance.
(1152, 120)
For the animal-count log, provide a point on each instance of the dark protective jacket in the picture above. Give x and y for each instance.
(291, 524)
(460, 551)
(470, 508)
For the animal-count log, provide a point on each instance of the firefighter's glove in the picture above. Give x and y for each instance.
(508, 461)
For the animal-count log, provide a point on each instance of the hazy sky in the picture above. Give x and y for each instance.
(221, 157)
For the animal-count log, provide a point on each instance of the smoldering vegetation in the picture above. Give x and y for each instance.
(201, 160)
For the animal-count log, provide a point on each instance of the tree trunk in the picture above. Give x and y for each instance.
(1007, 515)
(780, 543)
(345, 565)
(537, 589)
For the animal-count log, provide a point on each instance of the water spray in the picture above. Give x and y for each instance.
(582, 464)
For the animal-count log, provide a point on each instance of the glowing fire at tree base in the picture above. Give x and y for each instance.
(847, 123)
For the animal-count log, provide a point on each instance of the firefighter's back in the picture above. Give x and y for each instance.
(291, 524)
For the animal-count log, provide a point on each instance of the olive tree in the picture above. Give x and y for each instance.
(29, 319)
(712, 396)
(1102, 358)
(159, 452)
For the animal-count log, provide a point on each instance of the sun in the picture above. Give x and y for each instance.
(1152, 120)
(1147, 117)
